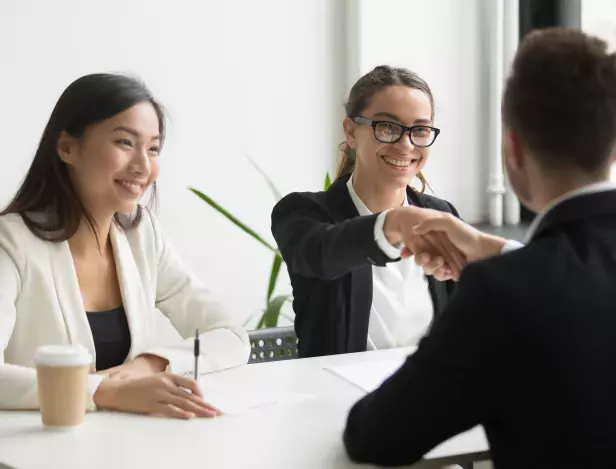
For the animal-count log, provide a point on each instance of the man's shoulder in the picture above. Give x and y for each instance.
(517, 270)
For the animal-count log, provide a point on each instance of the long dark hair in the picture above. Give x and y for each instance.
(47, 189)
(362, 92)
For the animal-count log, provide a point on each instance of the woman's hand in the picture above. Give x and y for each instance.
(162, 394)
(435, 264)
(442, 255)
(143, 365)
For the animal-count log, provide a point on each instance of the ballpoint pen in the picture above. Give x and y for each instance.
(196, 351)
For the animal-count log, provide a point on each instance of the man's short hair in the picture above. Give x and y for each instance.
(561, 99)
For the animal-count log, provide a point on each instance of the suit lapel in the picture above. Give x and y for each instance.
(339, 200)
(131, 288)
(342, 208)
(413, 197)
(69, 297)
(71, 301)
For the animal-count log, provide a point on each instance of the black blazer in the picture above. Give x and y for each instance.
(329, 251)
(526, 347)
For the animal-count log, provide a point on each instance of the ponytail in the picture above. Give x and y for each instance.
(347, 160)
(424, 182)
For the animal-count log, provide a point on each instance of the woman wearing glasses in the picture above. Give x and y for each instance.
(340, 246)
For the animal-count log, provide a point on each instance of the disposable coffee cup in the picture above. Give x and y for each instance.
(62, 377)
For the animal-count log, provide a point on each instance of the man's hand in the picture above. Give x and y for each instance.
(443, 254)
(441, 243)
(472, 243)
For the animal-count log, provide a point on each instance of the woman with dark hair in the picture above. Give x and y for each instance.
(340, 246)
(82, 262)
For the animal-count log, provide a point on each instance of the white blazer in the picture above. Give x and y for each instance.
(41, 303)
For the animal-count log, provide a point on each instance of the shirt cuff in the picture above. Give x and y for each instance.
(511, 245)
(94, 381)
(388, 249)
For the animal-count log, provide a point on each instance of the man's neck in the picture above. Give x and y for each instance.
(557, 185)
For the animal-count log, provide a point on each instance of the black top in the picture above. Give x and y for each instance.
(526, 347)
(111, 337)
(329, 251)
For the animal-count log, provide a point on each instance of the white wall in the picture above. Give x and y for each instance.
(257, 77)
(599, 18)
(441, 40)
(267, 78)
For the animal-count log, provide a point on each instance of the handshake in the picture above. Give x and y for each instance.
(441, 243)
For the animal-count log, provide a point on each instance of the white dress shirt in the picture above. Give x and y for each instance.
(402, 307)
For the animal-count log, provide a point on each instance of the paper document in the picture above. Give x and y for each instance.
(367, 375)
(237, 400)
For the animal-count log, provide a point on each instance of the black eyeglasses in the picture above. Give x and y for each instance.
(391, 132)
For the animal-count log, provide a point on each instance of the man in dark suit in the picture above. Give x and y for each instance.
(527, 345)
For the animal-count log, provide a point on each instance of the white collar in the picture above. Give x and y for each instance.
(588, 189)
(359, 204)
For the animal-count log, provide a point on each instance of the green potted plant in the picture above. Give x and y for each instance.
(273, 304)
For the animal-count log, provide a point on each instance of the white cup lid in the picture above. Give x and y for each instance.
(62, 355)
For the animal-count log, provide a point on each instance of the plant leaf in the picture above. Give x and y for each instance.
(269, 182)
(272, 312)
(232, 219)
(261, 321)
(328, 181)
(274, 275)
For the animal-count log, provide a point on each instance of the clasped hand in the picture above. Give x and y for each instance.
(441, 243)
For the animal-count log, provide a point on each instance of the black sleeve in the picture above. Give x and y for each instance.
(313, 245)
(440, 391)
(450, 284)
(454, 211)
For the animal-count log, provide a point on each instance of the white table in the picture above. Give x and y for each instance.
(298, 435)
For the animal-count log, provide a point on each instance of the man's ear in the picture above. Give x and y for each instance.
(349, 131)
(67, 148)
(513, 151)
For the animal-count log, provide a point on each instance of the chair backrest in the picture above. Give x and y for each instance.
(273, 344)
